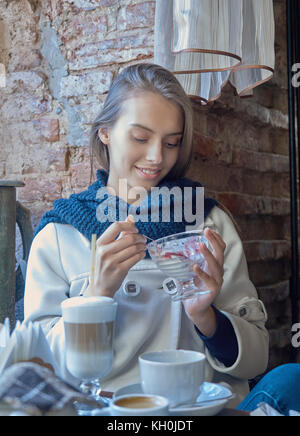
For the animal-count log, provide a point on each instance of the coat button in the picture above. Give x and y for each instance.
(131, 288)
(171, 286)
(243, 311)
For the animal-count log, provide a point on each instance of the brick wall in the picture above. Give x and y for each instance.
(61, 57)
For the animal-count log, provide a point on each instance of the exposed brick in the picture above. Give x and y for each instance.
(79, 28)
(211, 148)
(274, 293)
(51, 159)
(266, 250)
(264, 228)
(239, 133)
(53, 9)
(138, 15)
(279, 139)
(87, 107)
(262, 162)
(40, 189)
(108, 3)
(48, 129)
(93, 4)
(24, 34)
(80, 169)
(280, 337)
(86, 84)
(23, 81)
(280, 315)
(24, 107)
(80, 176)
(240, 204)
(264, 273)
(272, 97)
(126, 48)
(236, 179)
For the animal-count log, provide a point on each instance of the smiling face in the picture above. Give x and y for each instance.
(144, 142)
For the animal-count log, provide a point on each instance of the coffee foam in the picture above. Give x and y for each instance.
(89, 310)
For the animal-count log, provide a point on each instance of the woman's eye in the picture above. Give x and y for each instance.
(144, 140)
(141, 140)
(169, 144)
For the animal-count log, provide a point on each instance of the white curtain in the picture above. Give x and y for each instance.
(207, 43)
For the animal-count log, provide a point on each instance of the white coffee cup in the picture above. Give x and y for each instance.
(174, 374)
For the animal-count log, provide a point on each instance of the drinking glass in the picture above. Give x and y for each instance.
(175, 256)
(89, 330)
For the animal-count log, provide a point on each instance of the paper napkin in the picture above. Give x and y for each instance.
(26, 342)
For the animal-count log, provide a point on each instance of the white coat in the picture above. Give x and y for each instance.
(59, 265)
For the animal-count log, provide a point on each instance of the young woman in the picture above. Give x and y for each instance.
(143, 136)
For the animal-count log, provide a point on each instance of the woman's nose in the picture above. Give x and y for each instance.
(154, 152)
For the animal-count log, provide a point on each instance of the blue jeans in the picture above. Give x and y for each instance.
(280, 388)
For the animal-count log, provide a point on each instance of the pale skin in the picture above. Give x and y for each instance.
(147, 135)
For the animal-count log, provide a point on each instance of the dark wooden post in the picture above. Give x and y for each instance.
(7, 249)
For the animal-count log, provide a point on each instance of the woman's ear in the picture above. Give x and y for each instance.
(104, 136)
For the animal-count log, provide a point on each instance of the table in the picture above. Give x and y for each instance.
(224, 412)
(233, 412)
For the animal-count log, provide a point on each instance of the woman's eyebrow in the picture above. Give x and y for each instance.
(149, 130)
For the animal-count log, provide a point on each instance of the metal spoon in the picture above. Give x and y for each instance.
(202, 402)
(152, 240)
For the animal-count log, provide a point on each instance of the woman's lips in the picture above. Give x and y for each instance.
(147, 176)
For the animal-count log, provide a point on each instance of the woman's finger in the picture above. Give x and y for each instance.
(215, 236)
(129, 219)
(127, 241)
(218, 238)
(214, 268)
(114, 230)
(217, 244)
(128, 253)
(129, 263)
(209, 281)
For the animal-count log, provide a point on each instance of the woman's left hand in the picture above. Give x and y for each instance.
(199, 309)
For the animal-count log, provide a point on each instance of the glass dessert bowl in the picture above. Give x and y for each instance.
(175, 256)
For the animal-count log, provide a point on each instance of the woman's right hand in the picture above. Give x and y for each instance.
(114, 258)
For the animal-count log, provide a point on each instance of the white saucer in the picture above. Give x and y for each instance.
(209, 391)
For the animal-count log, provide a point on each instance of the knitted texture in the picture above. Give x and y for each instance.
(82, 210)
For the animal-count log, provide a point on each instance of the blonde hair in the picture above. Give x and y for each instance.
(137, 78)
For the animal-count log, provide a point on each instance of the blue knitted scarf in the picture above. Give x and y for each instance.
(85, 211)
